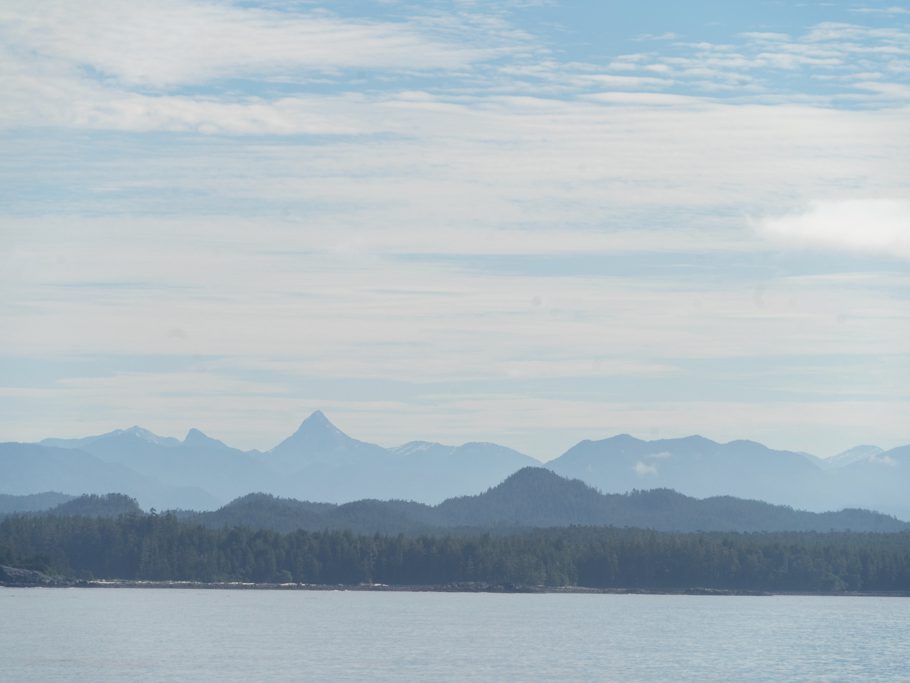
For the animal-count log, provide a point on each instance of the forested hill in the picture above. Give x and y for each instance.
(160, 547)
(60, 505)
(108, 505)
(536, 498)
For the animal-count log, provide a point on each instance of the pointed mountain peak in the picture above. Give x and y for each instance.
(317, 424)
(145, 435)
(317, 434)
(198, 436)
(316, 418)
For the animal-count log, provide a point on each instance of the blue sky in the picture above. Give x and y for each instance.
(523, 222)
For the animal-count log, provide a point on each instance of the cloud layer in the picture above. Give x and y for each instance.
(452, 221)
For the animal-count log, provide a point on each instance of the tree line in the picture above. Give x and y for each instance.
(162, 547)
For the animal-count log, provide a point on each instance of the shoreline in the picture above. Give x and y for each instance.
(441, 588)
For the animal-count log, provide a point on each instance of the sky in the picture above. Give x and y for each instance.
(526, 222)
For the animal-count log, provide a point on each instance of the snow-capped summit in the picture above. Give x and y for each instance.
(145, 435)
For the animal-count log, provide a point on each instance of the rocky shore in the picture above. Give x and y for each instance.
(16, 577)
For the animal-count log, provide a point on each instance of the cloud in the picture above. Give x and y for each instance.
(163, 44)
(668, 35)
(872, 226)
(84, 105)
(753, 64)
(210, 67)
(623, 82)
(645, 470)
(233, 69)
(894, 92)
(889, 11)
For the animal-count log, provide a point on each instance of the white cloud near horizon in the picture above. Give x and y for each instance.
(871, 226)
(645, 469)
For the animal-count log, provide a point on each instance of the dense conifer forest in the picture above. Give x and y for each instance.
(162, 547)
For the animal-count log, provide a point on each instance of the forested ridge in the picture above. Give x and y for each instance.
(533, 498)
(161, 547)
(529, 498)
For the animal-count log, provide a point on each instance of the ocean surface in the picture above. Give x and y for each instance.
(135, 634)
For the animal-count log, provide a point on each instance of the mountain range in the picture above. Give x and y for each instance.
(321, 463)
(533, 497)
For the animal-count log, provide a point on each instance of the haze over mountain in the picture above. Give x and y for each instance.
(533, 497)
(32, 502)
(693, 465)
(33, 468)
(861, 453)
(319, 462)
(93, 505)
(863, 477)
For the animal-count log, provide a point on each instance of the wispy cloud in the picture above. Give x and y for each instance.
(169, 43)
(827, 52)
(887, 11)
(667, 35)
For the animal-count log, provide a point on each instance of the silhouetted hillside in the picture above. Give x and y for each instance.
(264, 511)
(532, 497)
(536, 497)
(107, 505)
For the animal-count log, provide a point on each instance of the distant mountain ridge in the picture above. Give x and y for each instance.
(530, 498)
(694, 465)
(865, 477)
(535, 498)
(863, 453)
(32, 468)
(320, 462)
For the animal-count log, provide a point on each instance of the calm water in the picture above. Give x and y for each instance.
(215, 635)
